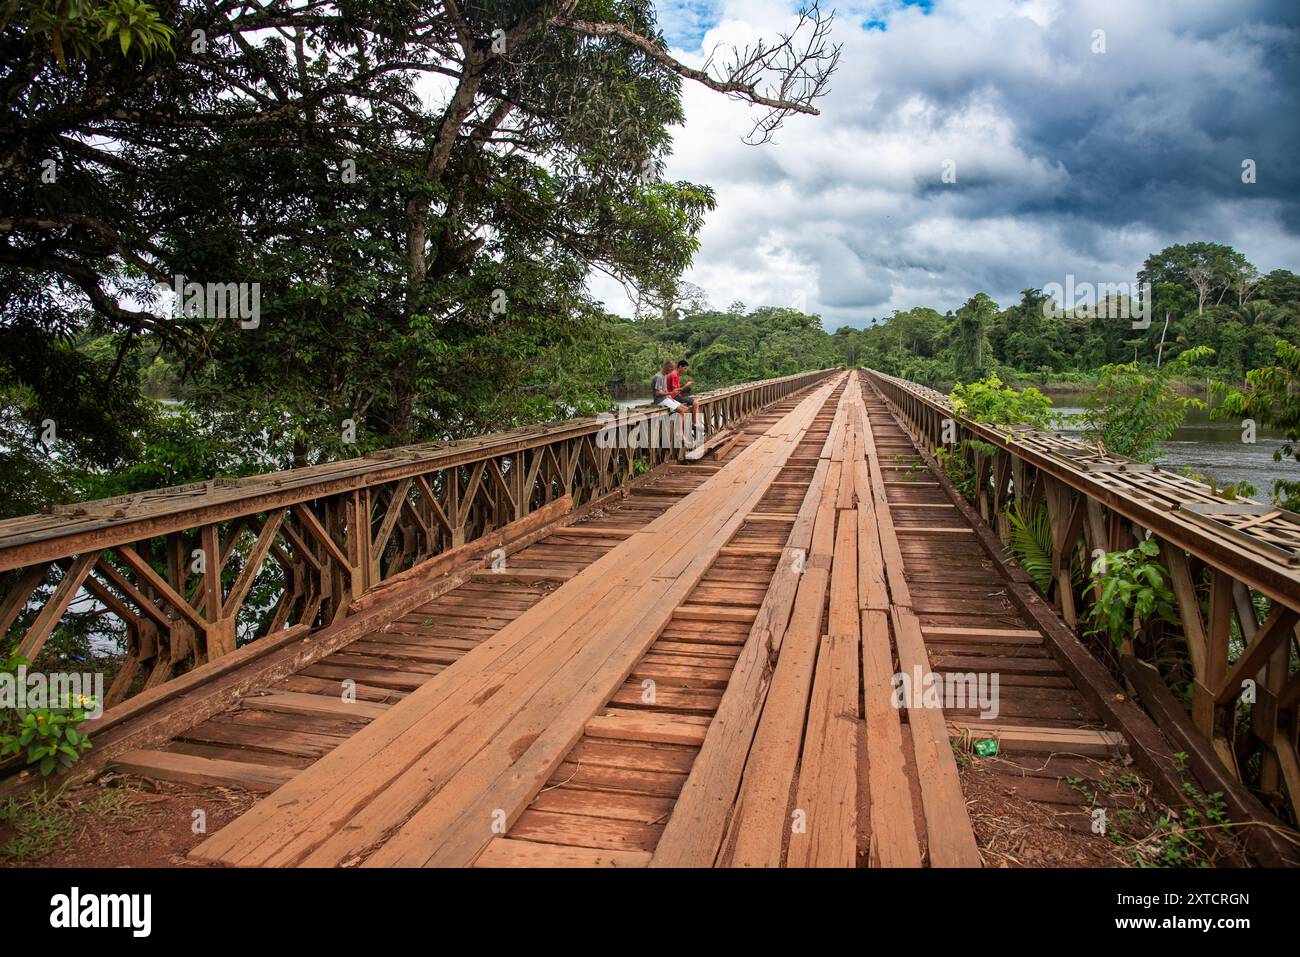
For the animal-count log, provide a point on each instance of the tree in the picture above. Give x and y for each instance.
(1210, 270)
(670, 301)
(1280, 287)
(418, 193)
(970, 346)
(848, 346)
(1272, 398)
(1134, 410)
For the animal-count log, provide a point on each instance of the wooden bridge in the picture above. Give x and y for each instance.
(574, 646)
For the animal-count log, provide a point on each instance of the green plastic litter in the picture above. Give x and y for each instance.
(986, 748)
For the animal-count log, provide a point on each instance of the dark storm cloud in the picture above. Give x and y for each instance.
(1067, 161)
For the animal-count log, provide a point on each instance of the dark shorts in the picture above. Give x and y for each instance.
(686, 399)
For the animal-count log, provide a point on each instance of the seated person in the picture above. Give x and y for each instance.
(662, 392)
(682, 390)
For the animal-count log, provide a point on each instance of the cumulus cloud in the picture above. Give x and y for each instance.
(1066, 160)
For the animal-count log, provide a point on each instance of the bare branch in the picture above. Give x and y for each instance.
(785, 77)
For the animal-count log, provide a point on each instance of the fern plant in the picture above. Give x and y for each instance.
(1031, 543)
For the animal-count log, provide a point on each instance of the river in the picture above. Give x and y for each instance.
(1211, 447)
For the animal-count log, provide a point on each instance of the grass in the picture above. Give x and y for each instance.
(961, 754)
(42, 822)
(39, 824)
(1154, 835)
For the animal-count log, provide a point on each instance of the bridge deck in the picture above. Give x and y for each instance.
(702, 676)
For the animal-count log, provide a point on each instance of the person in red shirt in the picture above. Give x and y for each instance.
(682, 393)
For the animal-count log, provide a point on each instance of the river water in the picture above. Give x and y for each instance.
(1212, 447)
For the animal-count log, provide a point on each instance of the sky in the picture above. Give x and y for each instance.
(1067, 160)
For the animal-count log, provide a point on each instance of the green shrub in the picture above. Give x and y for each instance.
(988, 400)
(49, 736)
(1130, 588)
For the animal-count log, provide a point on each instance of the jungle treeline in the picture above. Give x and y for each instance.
(1200, 295)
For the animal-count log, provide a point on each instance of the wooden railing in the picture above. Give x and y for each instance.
(188, 573)
(1220, 557)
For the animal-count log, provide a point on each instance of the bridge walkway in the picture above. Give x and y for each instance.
(704, 676)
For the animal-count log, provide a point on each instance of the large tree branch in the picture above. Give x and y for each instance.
(785, 77)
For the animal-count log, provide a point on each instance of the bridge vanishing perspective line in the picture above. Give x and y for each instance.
(778, 650)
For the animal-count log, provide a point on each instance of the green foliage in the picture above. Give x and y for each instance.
(1272, 398)
(971, 344)
(378, 219)
(1129, 589)
(1031, 542)
(65, 411)
(988, 400)
(728, 347)
(83, 27)
(1211, 271)
(1183, 839)
(1135, 409)
(1231, 491)
(1203, 294)
(43, 820)
(48, 737)
(959, 471)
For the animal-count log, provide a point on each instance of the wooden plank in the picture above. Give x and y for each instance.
(714, 613)
(759, 824)
(657, 727)
(696, 829)
(252, 564)
(191, 769)
(893, 838)
(577, 830)
(155, 715)
(313, 704)
(873, 590)
(523, 573)
(1276, 630)
(825, 826)
(759, 464)
(1005, 636)
(1086, 741)
(445, 562)
(511, 852)
(643, 808)
(950, 838)
(824, 829)
(745, 551)
(714, 441)
(597, 531)
(48, 617)
(1150, 750)
(303, 822)
(16, 599)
